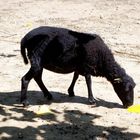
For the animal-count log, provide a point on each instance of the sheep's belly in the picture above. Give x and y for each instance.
(60, 69)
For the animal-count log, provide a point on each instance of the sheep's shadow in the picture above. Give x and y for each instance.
(77, 125)
(36, 98)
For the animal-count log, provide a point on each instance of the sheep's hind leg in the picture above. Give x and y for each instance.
(71, 88)
(24, 85)
(38, 79)
(90, 95)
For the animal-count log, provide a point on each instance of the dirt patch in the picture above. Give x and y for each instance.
(118, 22)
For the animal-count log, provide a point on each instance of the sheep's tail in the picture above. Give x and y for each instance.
(23, 53)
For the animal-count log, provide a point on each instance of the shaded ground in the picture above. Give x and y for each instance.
(118, 22)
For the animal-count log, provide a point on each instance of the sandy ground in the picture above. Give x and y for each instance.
(118, 22)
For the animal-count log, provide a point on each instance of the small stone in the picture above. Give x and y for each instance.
(101, 17)
(105, 133)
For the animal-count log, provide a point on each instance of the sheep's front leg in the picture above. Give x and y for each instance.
(89, 87)
(71, 88)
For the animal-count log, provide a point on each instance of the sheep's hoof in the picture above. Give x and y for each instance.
(92, 101)
(49, 97)
(71, 93)
(25, 103)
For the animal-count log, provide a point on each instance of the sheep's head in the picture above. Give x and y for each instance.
(124, 87)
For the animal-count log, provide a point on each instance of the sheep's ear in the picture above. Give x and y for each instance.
(117, 80)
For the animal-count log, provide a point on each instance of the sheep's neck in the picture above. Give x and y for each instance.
(113, 70)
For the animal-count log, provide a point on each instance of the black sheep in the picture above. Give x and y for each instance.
(64, 51)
